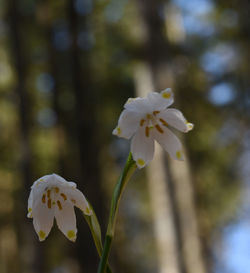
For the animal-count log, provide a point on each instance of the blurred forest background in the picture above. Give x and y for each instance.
(66, 69)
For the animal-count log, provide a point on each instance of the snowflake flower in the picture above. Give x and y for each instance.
(52, 196)
(148, 119)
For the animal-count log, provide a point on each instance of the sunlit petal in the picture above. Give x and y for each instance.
(139, 105)
(170, 143)
(66, 219)
(127, 124)
(160, 101)
(175, 118)
(142, 146)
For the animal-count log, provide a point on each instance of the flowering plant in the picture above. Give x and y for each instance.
(148, 119)
(144, 120)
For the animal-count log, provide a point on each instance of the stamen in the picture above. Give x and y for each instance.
(56, 189)
(48, 193)
(156, 112)
(163, 122)
(59, 205)
(49, 203)
(147, 131)
(149, 116)
(73, 201)
(44, 198)
(159, 129)
(142, 122)
(64, 196)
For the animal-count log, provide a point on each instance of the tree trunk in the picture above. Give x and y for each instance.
(23, 229)
(177, 192)
(161, 203)
(87, 135)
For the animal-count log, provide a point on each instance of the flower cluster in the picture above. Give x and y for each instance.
(144, 120)
(52, 197)
(148, 119)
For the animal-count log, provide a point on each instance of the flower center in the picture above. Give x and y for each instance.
(151, 121)
(52, 196)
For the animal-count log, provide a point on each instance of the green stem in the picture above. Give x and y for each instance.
(128, 170)
(96, 233)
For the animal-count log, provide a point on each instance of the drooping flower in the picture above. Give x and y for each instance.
(52, 197)
(148, 119)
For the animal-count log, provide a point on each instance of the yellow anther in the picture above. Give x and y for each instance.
(56, 189)
(156, 112)
(30, 210)
(64, 196)
(59, 205)
(44, 198)
(42, 234)
(166, 95)
(142, 122)
(163, 122)
(71, 235)
(178, 154)
(49, 203)
(149, 116)
(48, 193)
(73, 201)
(159, 129)
(147, 131)
(140, 162)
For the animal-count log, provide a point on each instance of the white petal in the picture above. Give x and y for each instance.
(168, 95)
(41, 181)
(127, 124)
(30, 201)
(170, 143)
(142, 147)
(43, 218)
(71, 184)
(78, 199)
(175, 119)
(160, 101)
(66, 219)
(139, 105)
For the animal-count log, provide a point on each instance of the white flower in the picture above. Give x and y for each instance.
(148, 119)
(52, 196)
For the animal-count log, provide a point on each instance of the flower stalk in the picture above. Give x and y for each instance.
(95, 229)
(128, 171)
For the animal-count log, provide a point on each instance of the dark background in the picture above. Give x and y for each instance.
(67, 68)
